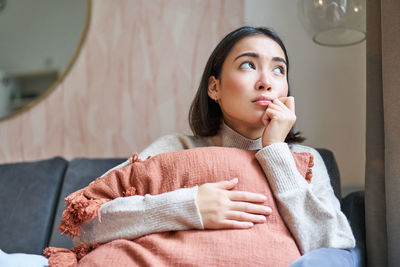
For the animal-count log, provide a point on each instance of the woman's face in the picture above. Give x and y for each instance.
(252, 75)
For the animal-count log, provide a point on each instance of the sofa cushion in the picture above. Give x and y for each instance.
(29, 194)
(80, 172)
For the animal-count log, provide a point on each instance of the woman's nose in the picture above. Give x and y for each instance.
(263, 83)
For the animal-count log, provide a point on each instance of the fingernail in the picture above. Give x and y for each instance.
(262, 218)
(268, 209)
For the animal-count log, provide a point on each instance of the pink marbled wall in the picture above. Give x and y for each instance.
(132, 82)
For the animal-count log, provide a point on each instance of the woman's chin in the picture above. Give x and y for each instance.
(257, 125)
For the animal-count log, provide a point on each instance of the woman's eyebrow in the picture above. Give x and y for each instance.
(255, 55)
(247, 54)
(279, 59)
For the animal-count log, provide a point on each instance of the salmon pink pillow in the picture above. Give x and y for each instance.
(265, 244)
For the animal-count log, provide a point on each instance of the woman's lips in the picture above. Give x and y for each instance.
(263, 102)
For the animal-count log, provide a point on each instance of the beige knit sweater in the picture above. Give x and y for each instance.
(311, 211)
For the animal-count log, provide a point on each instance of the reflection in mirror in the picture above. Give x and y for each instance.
(39, 41)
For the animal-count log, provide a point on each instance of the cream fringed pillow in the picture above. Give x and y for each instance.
(266, 244)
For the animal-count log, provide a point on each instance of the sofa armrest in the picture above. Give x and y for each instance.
(354, 209)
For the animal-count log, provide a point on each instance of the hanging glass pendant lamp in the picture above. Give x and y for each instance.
(334, 22)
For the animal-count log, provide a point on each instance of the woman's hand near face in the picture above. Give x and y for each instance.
(278, 119)
(222, 208)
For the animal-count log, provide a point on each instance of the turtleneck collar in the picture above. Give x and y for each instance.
(231, 138)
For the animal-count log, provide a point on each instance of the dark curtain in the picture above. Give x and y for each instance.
(382, 181)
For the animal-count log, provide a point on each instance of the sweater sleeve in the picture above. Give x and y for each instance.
(136, 216)
(311, 211)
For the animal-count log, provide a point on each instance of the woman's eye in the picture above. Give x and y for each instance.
(279, 70)
(247, 65)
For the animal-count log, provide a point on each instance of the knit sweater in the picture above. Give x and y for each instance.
(311, 211)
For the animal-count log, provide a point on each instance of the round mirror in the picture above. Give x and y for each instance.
(39, 42)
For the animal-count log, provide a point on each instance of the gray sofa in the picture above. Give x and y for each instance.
(32, 200)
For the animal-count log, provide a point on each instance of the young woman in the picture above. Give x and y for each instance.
(242, 102)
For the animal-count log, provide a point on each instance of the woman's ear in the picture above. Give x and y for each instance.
(213, 88)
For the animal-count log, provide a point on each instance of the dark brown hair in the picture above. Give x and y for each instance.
(205, 114)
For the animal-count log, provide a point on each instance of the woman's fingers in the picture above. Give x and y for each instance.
(251, 208)
(232, 224)
(221, 208)
(288, 102)
(278, 119)
(246, 217)
(245, 196)
(227, 185)
(284, 104)
(266, 119)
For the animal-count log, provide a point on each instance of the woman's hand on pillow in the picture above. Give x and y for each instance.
(222, 208)
(278, 119)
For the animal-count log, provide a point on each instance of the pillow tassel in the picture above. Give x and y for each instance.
(78, 209)
(60, 257)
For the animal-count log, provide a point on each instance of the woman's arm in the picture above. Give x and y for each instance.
(136, 216)
(311, 211)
